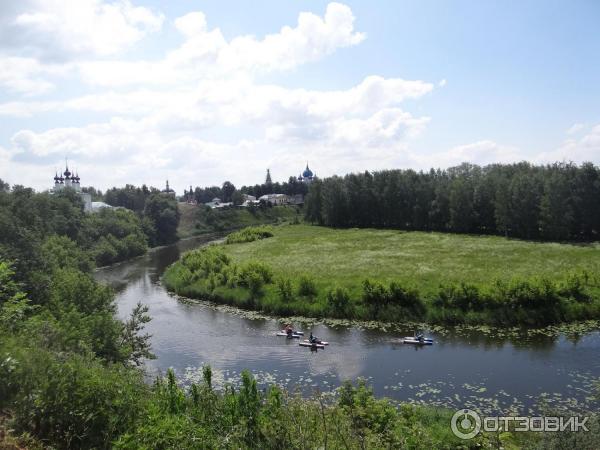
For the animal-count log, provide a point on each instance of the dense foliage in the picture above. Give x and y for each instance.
(554, 202)
(201, 219)
(157, 211)
(249, 234)
(227, 192)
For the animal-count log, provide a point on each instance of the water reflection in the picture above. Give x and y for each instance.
(473, 364)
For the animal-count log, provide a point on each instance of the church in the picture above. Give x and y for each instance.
(307, 176)
(72, 181)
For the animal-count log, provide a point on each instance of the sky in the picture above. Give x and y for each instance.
(200, 92)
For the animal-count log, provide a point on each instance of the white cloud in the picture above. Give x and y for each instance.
(584, 149)
(312, 38)
(576, 128)
(200, 114)
(205, 53)
(192, 24)
(64, 29)
(442, 82)
(481, 152)
(27, 76)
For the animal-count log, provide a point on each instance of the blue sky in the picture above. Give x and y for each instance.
(139, 91)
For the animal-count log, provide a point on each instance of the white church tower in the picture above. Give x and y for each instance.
(70, 180)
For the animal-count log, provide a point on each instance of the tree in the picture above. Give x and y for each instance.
(237, 198)
(228, 189)
(556, 210)
(335, 209)
(314, 203)
(162, 210)
(524, 205)
(461, 205)
(135, 344)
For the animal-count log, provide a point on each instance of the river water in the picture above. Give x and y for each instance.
(466, 370)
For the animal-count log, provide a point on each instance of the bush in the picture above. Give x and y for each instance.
(338, 299)
(463, 296)
(284, 289)
(73, 401)
(261, 269)
(307, 287)
(249, 234)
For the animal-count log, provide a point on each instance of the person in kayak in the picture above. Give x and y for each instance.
(312, 339)
(289, 330)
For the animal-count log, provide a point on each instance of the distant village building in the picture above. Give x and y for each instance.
(217, 203)
(189, 196)
(70, 180)
(168, 190)
(96, 206)
(296, 199)
(275, 199)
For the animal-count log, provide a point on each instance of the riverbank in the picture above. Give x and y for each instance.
(397, 276)
(198, 220)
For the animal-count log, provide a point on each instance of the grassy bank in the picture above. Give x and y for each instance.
(392, 275)
(200, 219)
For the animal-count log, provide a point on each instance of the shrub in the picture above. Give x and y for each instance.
(211, 259)
(284, 289)
(338, 300)
(249, 234)
(463, 296)
(374, 294)
(261, 269)
(307, 287)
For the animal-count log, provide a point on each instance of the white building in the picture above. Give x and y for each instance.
(72, 181)
(275, 199)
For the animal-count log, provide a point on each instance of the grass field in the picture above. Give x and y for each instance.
(347, 257)
(392, 275)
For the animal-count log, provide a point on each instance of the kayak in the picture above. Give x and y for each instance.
(308, 344)
(301, 333)
(417, 342)
(294, 335)
(415, 339)
(318, 342)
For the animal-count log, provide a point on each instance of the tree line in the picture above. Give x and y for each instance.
(157, 210)
(227, 192)
(560, 201)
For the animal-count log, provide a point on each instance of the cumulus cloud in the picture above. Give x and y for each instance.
(201, 113)
(61, 30)
(584, 149)
(205, 53)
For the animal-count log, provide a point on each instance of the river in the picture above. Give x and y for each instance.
(474, 369)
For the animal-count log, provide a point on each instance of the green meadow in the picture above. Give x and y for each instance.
(348, 256)
(393, 275)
